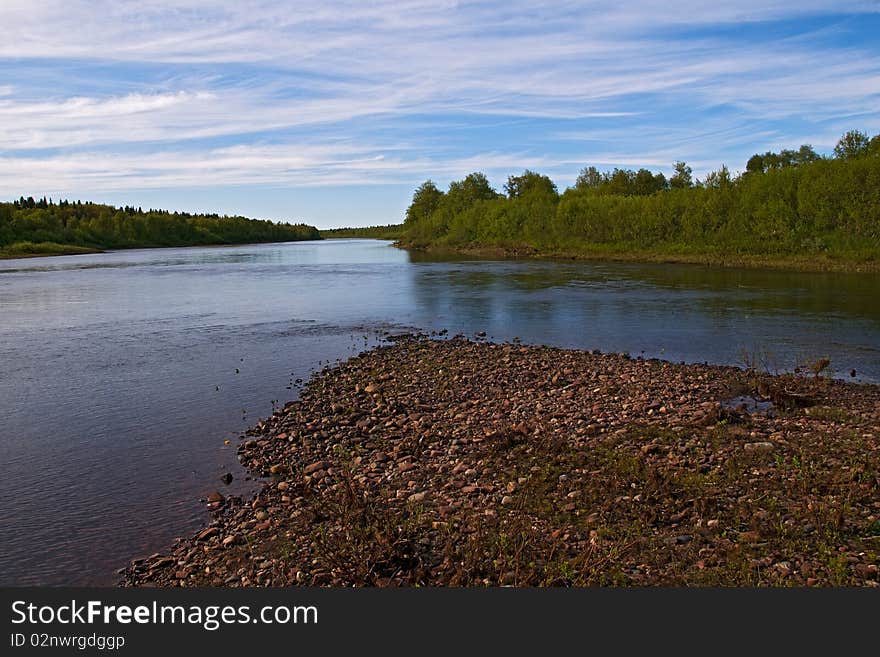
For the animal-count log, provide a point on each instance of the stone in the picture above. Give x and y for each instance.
(314, 467)
(207, 533)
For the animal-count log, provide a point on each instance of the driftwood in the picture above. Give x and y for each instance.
(784, 397)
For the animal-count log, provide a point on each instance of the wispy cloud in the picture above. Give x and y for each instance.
(296, 166)
(129, 95)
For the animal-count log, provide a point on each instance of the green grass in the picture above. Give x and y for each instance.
(35, 249)
(671, 253)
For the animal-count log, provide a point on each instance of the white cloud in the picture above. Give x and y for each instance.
(230, 71)
(298, 165)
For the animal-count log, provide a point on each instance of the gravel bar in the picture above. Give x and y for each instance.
(458, 462)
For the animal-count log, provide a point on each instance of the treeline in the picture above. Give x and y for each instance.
(387, 232)
(791, 203)
(44, 226)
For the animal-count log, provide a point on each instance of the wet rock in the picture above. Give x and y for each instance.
(205, 534)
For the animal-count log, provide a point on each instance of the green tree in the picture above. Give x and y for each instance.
(720, 178)
(756, 164)
(529, 182)
(475, 187)
(683, 176)
(806, 154)
(425, 202)
(852, 144)
(589, 178)
(646, 183)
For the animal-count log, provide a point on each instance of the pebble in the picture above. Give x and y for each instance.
(205, 534)
(758, 447)
(315, 467)
(551, 445)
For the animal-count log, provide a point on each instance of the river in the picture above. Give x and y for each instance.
(127, 377)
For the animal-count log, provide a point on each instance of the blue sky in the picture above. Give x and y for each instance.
(333, 112)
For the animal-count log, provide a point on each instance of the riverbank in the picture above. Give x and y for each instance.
(41, 249)
(31, 227)
(51, 249)
(450, 462)
(801, 263)
(388, 232)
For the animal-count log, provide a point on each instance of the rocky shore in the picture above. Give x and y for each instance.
(464, 463)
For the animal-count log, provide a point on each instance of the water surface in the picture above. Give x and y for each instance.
(123, 374)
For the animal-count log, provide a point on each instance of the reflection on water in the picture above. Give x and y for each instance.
(124, 373)
(677, 312)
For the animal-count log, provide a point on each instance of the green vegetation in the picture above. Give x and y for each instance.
(389, 232)
(791, 208)
(30, 227)
(26, 249)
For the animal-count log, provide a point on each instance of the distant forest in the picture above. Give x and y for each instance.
(787, 204)
(29, 227)
(389, 232)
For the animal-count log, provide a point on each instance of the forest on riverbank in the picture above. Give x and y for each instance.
(387, 232)
(45, 227)
(792, 206)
